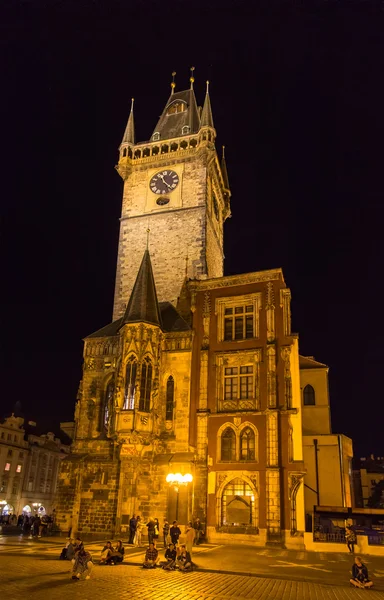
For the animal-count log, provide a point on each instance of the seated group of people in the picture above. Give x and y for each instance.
(174, 558)
(111, 555)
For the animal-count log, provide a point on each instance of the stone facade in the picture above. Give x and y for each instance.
(205, 382)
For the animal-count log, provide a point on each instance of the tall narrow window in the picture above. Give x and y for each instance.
(238, 322)
(130, 384)
(228, 444)
(309, 396)
(108, 403)
(145, 385)
(170, 399)
(247, 444)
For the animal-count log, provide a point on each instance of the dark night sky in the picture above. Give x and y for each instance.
(297, 95)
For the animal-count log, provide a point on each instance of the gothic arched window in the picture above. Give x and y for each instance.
(130, 384)
(228, 444)
(145, 385)
(247, 444)
(169, 399)
(108, 403)
(239, 504)
(309, 396)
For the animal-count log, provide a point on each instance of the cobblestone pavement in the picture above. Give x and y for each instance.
(40, 576)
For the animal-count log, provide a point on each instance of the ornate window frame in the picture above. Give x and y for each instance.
(249, 477)
(238, 431)
(238, 359)
(231, 302)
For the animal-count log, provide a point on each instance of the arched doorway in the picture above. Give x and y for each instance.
(8, 510)
(41, 511)
(239, 505)
(27, 510)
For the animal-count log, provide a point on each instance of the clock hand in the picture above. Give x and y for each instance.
(163, 180)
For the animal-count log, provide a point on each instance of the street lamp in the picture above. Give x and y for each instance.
(176, 480)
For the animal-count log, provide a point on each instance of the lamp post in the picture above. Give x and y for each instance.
(176, 480)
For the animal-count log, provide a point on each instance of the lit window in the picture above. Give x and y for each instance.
(18, 469)
(7, 466)
(169, 399)
(176, 107)
(130, 384)
(247, 444)
(228, 444)
(309, 396)
(238, 383)
(108, 403)
(239, 504)
(238, 317)
(145, 385)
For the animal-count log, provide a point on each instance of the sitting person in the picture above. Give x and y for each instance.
(360, 574)
(106, 554)
(118, 553)
(184, 560)
(151, 557)
(82, 563)
(170, 558)
(68, 553)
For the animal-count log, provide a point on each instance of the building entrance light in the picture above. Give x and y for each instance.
(176, 480)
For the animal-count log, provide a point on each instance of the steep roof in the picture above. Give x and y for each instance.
(129, 134)
(143, 306)
(308, 362)
(206, 115)
(171, 126)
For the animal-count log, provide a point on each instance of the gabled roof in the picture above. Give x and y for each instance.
(171, 126)
(143, 306)
(308, 362)
(170, 319)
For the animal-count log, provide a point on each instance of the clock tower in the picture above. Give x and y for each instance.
(176, 187)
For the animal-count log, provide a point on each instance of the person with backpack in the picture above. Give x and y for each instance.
(350, 538)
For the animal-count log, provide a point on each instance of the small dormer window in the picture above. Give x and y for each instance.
(156, 136)
(176, 107)
(185, 130)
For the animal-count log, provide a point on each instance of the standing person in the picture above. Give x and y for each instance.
(166, 527)
(151, 530)
(350, 538)
(190, 537)
(198, 531)
(156, 530)
(360, 577)
(132, 529)
(175, 533)
(139, 531)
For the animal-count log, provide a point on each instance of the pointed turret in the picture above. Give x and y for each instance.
(143, 306)
(224, 171)
(129, 134)
(206, 115)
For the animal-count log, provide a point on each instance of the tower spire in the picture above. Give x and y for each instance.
(192, 79)
(173, 83)
(206, 115)
(143, 306)
(129, 134)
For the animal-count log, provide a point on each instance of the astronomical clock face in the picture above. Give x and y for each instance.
(164, 182)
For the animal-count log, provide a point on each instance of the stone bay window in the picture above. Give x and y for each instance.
(237, 381)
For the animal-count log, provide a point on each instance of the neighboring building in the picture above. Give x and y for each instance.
(367, 473)
(29, 467)
(327, 456)
(198, 374)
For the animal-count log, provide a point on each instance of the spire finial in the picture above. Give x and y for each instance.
(173, 84)
(148, 232)
(192, 79)
(132, 101)
(223, 155)
(207, 82)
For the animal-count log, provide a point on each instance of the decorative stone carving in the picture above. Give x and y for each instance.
(294, 481)
(206, 319)
(271, 375)
(220, 478)
(232, 280)
(285, 304)
(91, 410)
(286, 356)
(237, 421)
(90, 364)
(270, 312)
